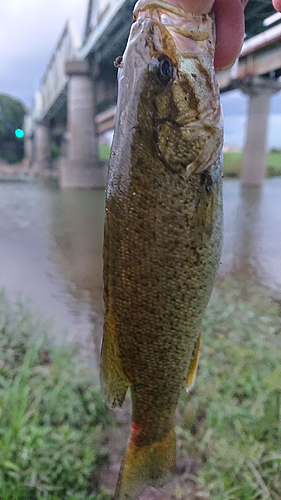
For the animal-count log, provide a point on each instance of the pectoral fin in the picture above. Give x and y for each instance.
(192, 369)
(113, 381)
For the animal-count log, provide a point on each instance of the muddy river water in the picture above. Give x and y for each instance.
(51, 241)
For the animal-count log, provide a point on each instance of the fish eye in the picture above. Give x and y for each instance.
(164, 69)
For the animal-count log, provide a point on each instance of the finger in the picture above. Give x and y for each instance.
(277, 4)
(229, 15)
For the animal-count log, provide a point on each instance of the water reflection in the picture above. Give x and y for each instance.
(252, 239)
(50, 250)
(246, 250)
(76, 226)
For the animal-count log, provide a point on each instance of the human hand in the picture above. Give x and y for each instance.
(229, 15)
(277, 4)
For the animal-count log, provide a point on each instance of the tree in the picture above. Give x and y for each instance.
(12, 113)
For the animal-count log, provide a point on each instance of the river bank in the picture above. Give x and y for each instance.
(232, 165)
(17, 171)
(59, 441)
(232, 161)
(22, 172)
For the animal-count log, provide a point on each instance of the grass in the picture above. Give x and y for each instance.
(232, 420)
(233, 163)
(104, 152)
(52, 417)
(51, 414)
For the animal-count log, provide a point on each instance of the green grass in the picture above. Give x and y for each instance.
(55, 152)
(232, 420)
(104, 152)
(52, 417)
(51, 414)
(233, 162)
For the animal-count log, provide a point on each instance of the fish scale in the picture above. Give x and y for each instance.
(163, 231)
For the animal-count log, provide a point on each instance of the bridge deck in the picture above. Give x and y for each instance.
(108, 38)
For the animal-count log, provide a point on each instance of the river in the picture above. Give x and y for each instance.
(51, 242)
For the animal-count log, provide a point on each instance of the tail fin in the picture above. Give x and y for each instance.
(145, 466)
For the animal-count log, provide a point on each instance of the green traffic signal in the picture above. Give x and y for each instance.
(19, 133)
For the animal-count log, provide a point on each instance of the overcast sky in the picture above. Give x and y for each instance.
(30, 29)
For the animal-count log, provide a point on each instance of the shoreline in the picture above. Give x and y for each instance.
(233, 158)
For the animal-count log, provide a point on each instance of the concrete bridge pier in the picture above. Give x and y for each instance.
(260, 91)
(42, 147)
(81, 167)
(29, 149)
(63, 147)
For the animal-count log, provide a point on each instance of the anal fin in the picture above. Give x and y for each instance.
(192, 369)
(113, 381)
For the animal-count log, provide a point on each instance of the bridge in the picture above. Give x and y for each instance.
(77, 100)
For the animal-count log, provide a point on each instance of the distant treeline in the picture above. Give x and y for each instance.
(12, 113)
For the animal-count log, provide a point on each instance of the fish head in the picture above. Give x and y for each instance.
(168, 67)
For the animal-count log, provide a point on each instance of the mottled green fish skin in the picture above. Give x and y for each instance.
(163, 231)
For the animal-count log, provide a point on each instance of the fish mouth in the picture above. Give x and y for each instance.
(196, 27)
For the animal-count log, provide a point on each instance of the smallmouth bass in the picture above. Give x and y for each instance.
(163, 230)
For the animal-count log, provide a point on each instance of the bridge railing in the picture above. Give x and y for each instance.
(55, 79)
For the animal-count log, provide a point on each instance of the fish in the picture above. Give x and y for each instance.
(163, 229)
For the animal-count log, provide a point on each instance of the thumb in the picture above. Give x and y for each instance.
(229, 15)
(277, 4)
